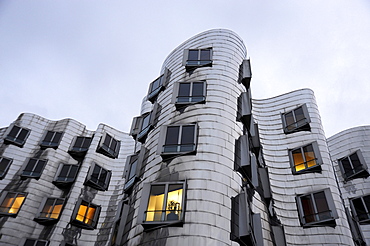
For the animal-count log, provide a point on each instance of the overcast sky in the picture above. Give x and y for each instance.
(93, 60)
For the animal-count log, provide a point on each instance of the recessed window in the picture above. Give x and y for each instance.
(51, 139)
(317, 209)
(361, 209)
(132, 169)
(198, 58)
(80, 146)
(17, 136)
(50, 210)
(65, 175)
(4, 166)
(353, 166)
(189, 93)
(296, 120)
(142, 125)
(163, 203)
(109, 146)
(11, 203)
(85, 215)
(35, 242)
(98, 177)
(178, 139)
(33, 168)
(158, 85)
(305, 159)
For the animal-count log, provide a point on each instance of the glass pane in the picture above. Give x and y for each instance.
(198, 89)
(90, 215)
(30, 166)
(174, 202)
(49, 136)
(172, 135)
(30, 242)
(299, 115)
(309, 155)
(57, 137)
(367, 202)
(14, 131)
(184, 89)
(64, 172)
(289, 119)
(357, 166)
(18, 201)
(113, 145)
(23, 134)
(146, 121)
(360, 209)
(78, 142)
(308, 209)
(39, 243)
(38, 169)
(155, 204)
(95, 174)
(132, 170)
(82, 212)
(103, 177)
(298, 160)
(48, 208)
(323, 210)
(107, 140)
(57, 209)
(193, 55)
(187, 136)
(3, 165)
(86, 142)
(205, 55)
(156, 84)
(346, 166)
(7, 203)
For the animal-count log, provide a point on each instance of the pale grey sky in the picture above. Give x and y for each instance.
(93, 60)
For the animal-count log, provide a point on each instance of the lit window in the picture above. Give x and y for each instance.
(189, 93)
(65, 175)
(4, 166)
(296, 120)
(158, 85)
(98, 177)
(86, 215)
(35, 242)
(353, 166)
(11, 203)
(305, 159)
(51, 139)
(142, 125)
(109, 146)
(317, 209)
(17, 136)
(33, 168)
(132, 169)
(80, 146)
(197, 58)
(361, 209)
(50, 210)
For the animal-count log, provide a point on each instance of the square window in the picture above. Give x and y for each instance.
(80, 145)
(51, 139)
(158, 85)
(132, 169)
(17, 136)
(4, 166)
(35, 242)
(49, 211)
(142, 125)
(11, 203)
(33, 168)
(98, 177)
(65, 175)
(194, 58)
(189, 93)
(296, 120)
(361, 209)
(85, 215)
(109, 146)
(317, 209)
(162, 203)
(353, 166)
(305, 159)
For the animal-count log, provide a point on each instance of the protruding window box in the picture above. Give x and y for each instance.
(98, 177)
(51, 139)
(80, 145)
(361, 209)
(65, 175)
(34, 242)
(33, 168)
(296, 120)
(305, 159)
(187, 93)
(11, 203)
(194, 58)
(49, 211)
(143, 124)
(158, 85)
(17, 135)
(85, 215)
(353, 166)
(132, 169)
(109, 146)
(245, 73)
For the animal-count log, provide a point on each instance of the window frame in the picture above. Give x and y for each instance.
(95, 218)
(176, 92)
(79, 150)
(245, 73)
(14, 140)
(31, 175)
(108, 150)
(199, 62)
(2, 200)
(96, 185)
(140, 132)
(244, 112)
(297, 126)
(164, 80)
(245, 161)
(362, 173)
(35, 243)
(65, 183)
(307, 169)
(365, 206)
(138, 158)
(6, 168)
(318, 222)
(47, 220)
(56, 135)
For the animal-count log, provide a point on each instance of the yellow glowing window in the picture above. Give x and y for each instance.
(52, 208)
(86, 213)
(165, 202)
(12, 203)
(304, 158)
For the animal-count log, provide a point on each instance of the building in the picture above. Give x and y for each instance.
(203, 164)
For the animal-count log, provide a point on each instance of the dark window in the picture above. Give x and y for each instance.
(179, 139)
(35, 242)
(296, 120)
(50, 210)
(142, 125)
(17, 136)
(80, 146)
(51, 139)
(85, 215)
(120, 222)
(109, 146)
(158, 85)
(190, 92)
(198, 57)
(317, 209)
(245, 74)
(11, 203)
(245, 162)
(356, 232)
(4, 166)
(305, 159)
(98, 177)
(244, 113)
(65, 175)
(361, 209)
(33, 168)
(132, 169)
(353, 166)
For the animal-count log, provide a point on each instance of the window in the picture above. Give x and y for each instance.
(296, 120)
(353, 166)
(141, 125)
(132, 169)
(80, 146)
(98, 177)
(51, 139)
(50, 210)
(85, 215)
(17, 136)
(109, 146)
(11, 203)
(189, 93)
(194, 58)
(305, 159)
(178, 139)
(361, 209)
(245, 72)
(244, 112)
(158, 85)
(120, 222)
(35, 242)
(316, 209)
(162, 203)
(356, 232)
(65, 175)
(4, 166)
(245, 162)
(33, 168)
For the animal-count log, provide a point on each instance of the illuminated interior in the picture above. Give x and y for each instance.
(12, 203)
(302, 162)
(85, 213)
